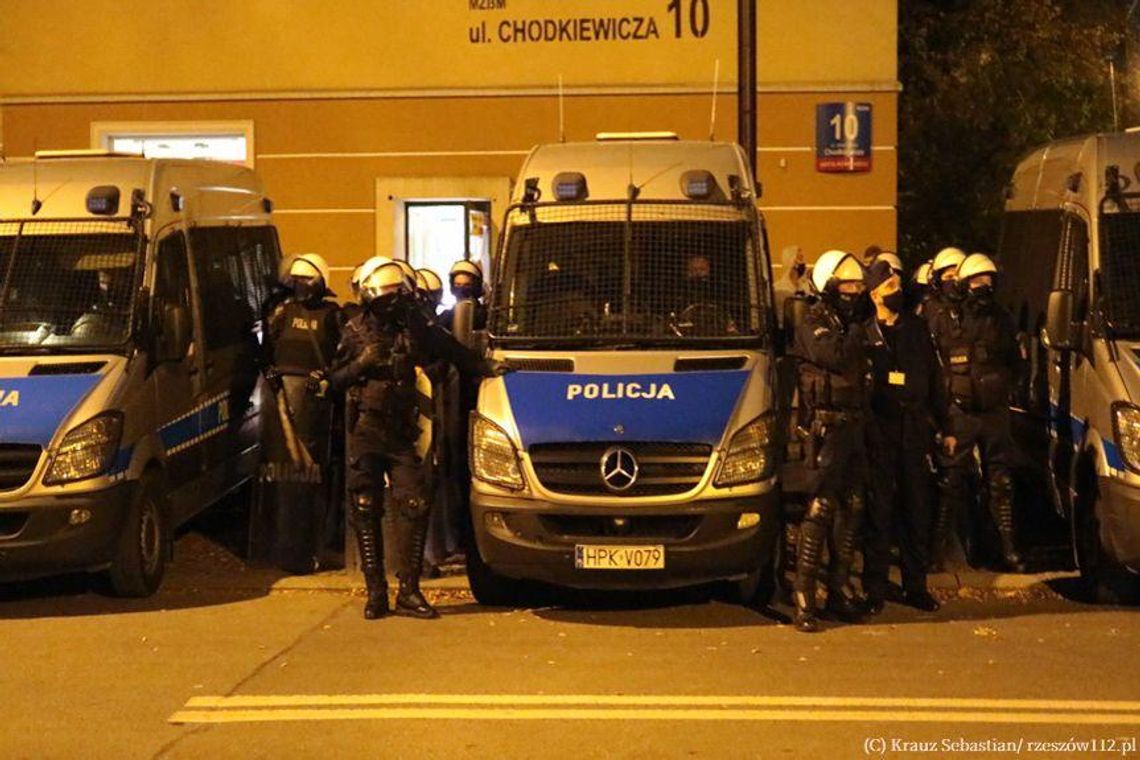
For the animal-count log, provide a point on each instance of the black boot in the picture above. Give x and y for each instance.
(370, 543)
(1001, 507)
(410, 600)
(843, 601)
(813, 534)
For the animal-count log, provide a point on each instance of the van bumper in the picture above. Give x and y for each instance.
(1120, 522)
(37, 537)
(536, 540)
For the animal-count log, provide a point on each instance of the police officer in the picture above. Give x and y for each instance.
(429, 286)
(466, 284)
(918, 289)
(378, 355)
(301, 339)
(908, 406)
(833, 387)
(944, 290)
(977, 344)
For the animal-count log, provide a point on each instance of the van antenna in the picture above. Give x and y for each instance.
(37, 204)
(561, 112)
(712, 119)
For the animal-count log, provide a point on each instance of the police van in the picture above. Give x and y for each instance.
(131, 293)
(634, 446)
(1070, 254)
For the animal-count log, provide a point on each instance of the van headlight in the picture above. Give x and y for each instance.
(1126, 425)
(494, 459)
(751, 454)
(87, 450)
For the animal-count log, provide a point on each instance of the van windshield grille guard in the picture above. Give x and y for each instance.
(68, 285)
(611, 273)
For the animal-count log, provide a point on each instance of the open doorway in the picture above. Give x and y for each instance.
(439, 233)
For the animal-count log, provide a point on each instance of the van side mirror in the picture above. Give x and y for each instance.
(1059, 332)
(175, 333)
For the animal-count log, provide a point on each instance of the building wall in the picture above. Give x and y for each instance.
(391, 89)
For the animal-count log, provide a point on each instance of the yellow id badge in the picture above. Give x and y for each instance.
(897, 378)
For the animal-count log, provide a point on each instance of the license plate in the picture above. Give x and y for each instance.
(609, 557)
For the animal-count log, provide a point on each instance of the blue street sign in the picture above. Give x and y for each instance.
(843, 137)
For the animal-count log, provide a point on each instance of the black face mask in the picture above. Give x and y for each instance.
(951, 290)
(852, 307)
(467, 292)
(308, 290)
(981, 297)
(800, 269)
(387, 306)
(896, 301)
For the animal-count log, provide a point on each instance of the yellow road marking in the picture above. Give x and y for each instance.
(654, 700)
(678, 715)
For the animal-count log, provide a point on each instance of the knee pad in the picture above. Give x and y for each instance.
(820, 510)
(364, 504)
(856, 504)
(412, 508)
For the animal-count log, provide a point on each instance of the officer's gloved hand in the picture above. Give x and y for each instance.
(317, 383)
(495, 368)
(273, 378)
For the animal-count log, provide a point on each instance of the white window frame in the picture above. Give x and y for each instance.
(103, 131)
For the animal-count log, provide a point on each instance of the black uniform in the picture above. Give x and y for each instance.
(977, 345)
(908, 407)
(832, 378)
(301, 339)
(377, 359)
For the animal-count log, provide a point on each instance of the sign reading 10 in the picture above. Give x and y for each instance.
(698, 17)
(846, 128)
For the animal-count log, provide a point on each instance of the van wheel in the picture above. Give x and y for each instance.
(758, 588)
(1104, 581)
(140, 558)
(488, 587)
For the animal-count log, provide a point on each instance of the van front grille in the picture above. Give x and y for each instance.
(664, 469)
(17, 463)
(661, 527)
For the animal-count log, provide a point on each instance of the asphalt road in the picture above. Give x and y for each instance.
(220, 665)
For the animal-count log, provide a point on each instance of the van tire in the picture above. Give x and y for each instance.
(139, 563)
(1104, 581)
(758, 588)
(488, 587)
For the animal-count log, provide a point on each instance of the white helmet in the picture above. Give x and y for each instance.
(465, 266)
(428, 281)
(310, 265)
(974, 265)
(835, 266)
(947, 258)
(892, 259)
(922, 274)
(386, 275)
(369, 266)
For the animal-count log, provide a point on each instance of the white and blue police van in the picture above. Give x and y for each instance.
(131, 293)
(634, 446)
(1070, 267)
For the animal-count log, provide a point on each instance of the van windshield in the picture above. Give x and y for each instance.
(1120, 271)
(641, 273)
(67, 286)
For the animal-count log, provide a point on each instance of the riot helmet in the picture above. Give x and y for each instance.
(977, 278)
(309, 276)
(430, 285)
(838, 278)
(466, 279)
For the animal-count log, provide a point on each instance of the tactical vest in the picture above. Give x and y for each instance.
(304, 337)
(976, 379)
(823, 390)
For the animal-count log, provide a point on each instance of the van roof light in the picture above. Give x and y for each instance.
(570, 186)
(698, 184)
(103, 200)
(613, 136)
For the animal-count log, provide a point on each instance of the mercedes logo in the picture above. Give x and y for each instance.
(619, 468)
